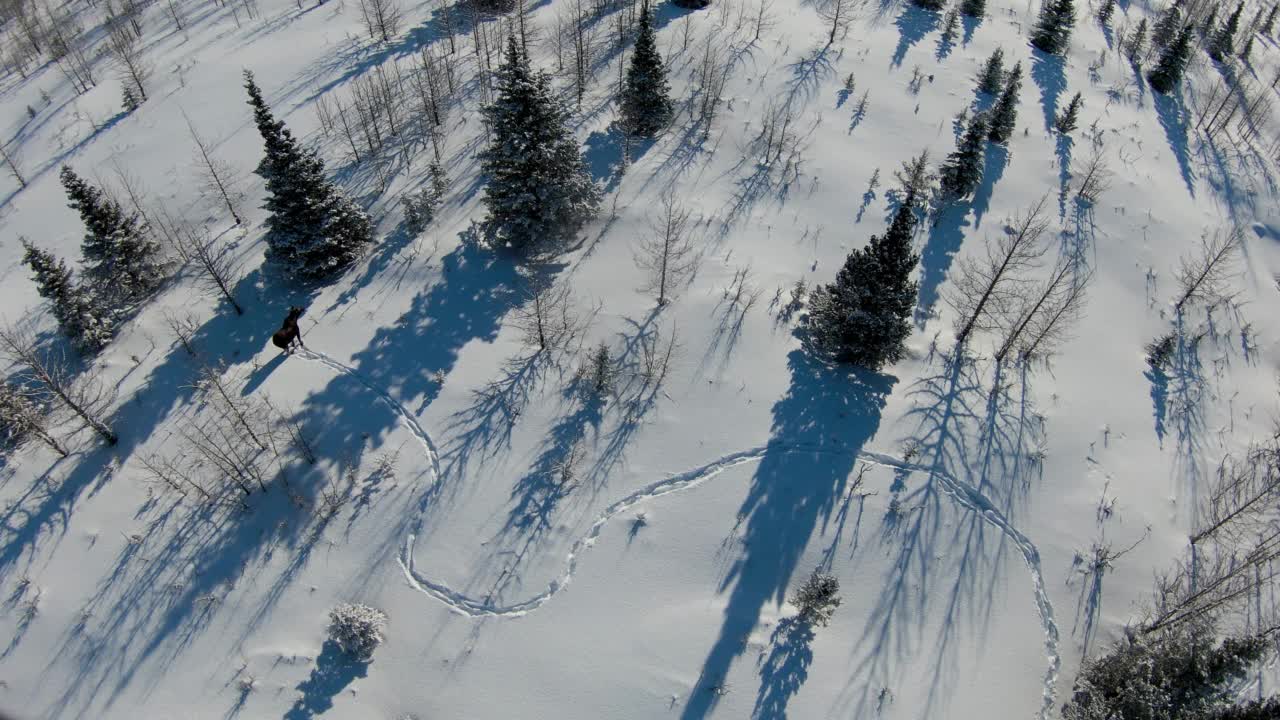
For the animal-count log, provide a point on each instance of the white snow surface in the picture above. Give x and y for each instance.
(656, 585)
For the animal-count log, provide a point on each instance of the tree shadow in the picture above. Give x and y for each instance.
(967, 435)
(1062, 149)
(995, 160)
(913, 23)
(1173, 119)
(785, 669)
(944, 240)
(334, 671)
(1049, 74)
(834, 412)
(406, 359)
(970, 24)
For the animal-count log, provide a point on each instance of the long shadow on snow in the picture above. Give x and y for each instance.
(914, 22)
(1173, 118)
(976, 435)
(835, 411)
(467, 303)
(333, 672)
(1049, 74)
(940, 247)
(168, 387)
(785, 669)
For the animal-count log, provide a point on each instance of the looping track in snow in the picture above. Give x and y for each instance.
(963, 493)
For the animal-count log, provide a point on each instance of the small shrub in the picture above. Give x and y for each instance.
(818, 598)
(357, 629)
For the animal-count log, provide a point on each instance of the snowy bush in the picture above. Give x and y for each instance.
(357, 629)
(818, 598)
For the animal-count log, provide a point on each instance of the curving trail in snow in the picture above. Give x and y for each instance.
(963, 493)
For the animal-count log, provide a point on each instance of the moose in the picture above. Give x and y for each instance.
(289, 333)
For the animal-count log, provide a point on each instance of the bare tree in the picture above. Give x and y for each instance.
(246, 415)
(1046, 314)
(126, 52)
(1243, 497)
(68, 48)
(1209, 276)
(667, 255)
(176, 14)
(217, 265)
(763, 20)
(990, 288)
(11, 162)
(21, 418)
(219, 177)
(711, 75)
(381, 18)
(837, 13)
(1212, 586)
(1093, 176)
(548, 319)
(56, 383)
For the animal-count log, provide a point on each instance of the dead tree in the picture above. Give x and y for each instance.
(548, 320)
(667, 255)
(126, 52)
(11, 162)
(68, 48)
(1206, 587)
(1209, 276)
(711, 76)
(381, 18)
(176, 14)
(838, 14)
(243, 413)
(1243, 497)
(1045, 316)
(20, 418)
(1094, 176)
(218, 177)
(217, 265)
(990, 288)
(56, 383)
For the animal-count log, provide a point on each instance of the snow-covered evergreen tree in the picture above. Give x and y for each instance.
(121, 260)
(864, 316)
(1106, 11)
(1004, 116)
(646, 101)
(1184, 673)
(973, 8)
(991, 78)
(962, 171)
(71, 306)
(1269, 24)
(1173, 61)
(1136, 43)
(1069, 119)
(1247, 50)
(1053, 28)
(1210, 23)
(539, 188)
(1167, 27)
(1224, 41)
(315, 230)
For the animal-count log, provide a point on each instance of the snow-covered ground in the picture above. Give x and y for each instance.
(655, 586)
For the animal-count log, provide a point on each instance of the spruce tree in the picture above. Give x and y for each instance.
(992, 75)
(1053, 29)
(1223, 44)
(1210, 22)
(539, 188)
(1004, 116)
(315, 231)
(1247, 50)
(962, 170)
(864, 316)
(1067, 121)
(646, 101)
(71, 306)
(1167, 28)
(1173, 61)
(1105, 12)
(973, 8)
(122, 261)
(1136, 43)
(1270, 22)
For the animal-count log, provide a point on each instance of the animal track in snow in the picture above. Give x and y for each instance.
(963, 493)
